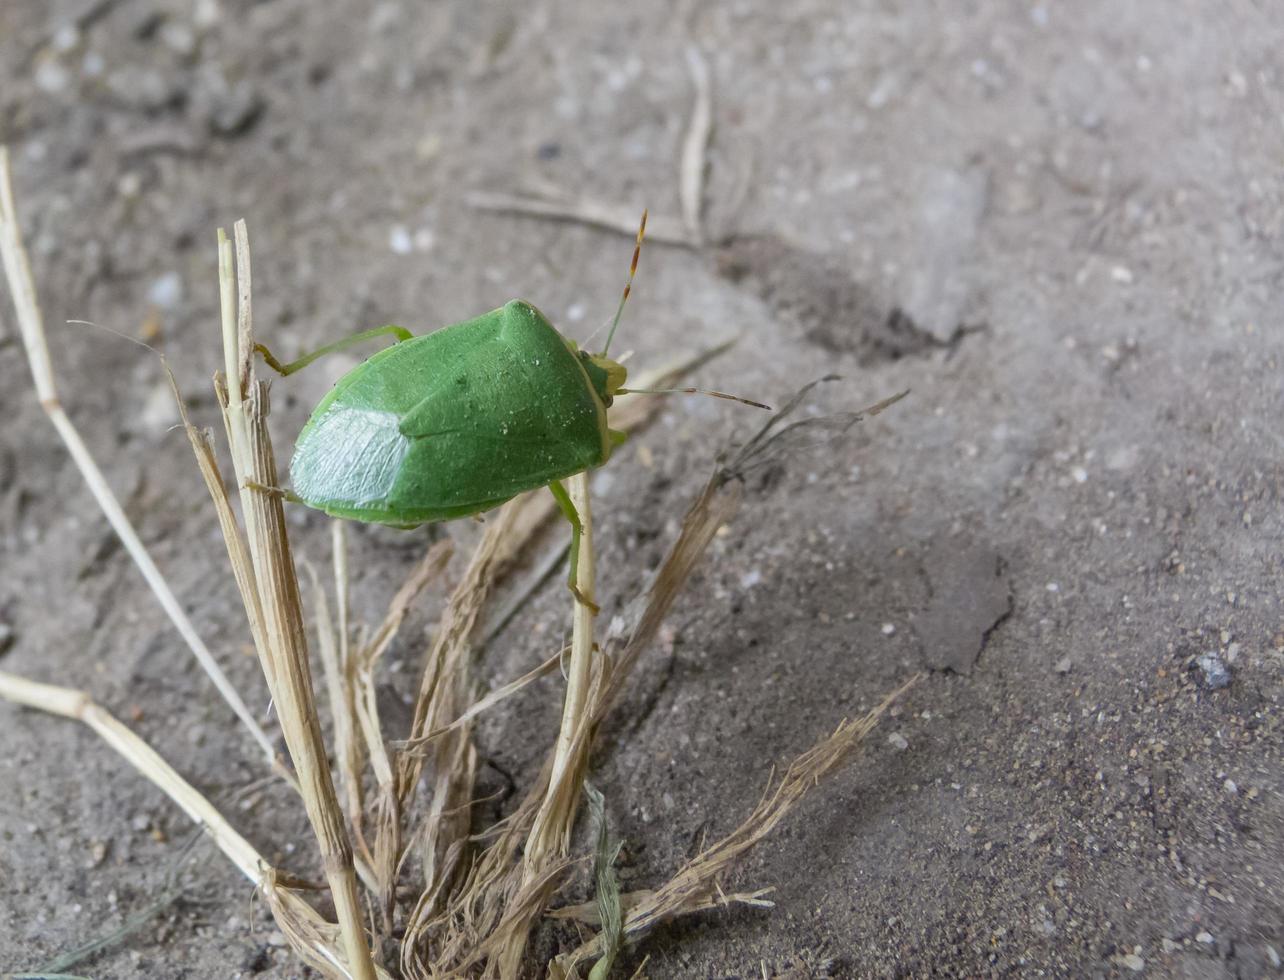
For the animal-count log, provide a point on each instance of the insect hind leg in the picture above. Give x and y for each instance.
(577, 529)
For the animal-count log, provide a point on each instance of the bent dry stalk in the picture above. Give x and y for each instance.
(276, 605)
(13, 256)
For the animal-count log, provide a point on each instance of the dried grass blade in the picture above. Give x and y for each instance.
(444, 692)
(549, 838)
(695, 885)
(294, 915)
(486, 703)
(692, 168)
(245, 408)
(622, 219)
(13, 256)
(609, 906)
(343, 712)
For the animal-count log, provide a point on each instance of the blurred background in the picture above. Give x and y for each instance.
(1059, 225)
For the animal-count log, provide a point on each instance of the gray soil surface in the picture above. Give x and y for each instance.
(1058, 224)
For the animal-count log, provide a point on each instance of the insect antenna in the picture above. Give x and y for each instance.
(694, 391)
(628, 286)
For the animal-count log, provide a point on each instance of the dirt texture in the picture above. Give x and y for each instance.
(1058, 224)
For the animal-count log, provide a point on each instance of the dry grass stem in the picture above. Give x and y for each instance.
(445, 690)
(284, 652)
(315, 937)
(353, 698)
(549, 838)
(691, 169)
(560, 206)
(494, 697)
(696, 884)
(590, 913)
(31, 326)
(340, 693)
(549, 201)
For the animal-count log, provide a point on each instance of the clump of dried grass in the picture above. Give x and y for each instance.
(393, 820)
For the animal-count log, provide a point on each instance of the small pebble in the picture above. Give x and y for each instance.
(1063, 666)
(1168, 945)
(207, 13)
(178, 37)
(1204, 937)
(886, 87)
(66, 38)
(158, 413)
(1273, 955)
(399, 240)
(1216, 674)
(1230, 787)
(97, 853)
(129, 185)
(140, 88)
(1132, 962)
(898, 741)
(52, 77)
(235, 110)
(166, 292)
(889, 629)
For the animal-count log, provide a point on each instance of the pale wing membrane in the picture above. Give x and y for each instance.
(352, 456)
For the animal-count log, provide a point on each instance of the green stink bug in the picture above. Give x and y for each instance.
(458, 421)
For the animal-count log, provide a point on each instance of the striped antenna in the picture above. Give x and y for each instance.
(628, 286)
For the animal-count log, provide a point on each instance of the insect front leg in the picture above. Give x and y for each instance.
(571, 514)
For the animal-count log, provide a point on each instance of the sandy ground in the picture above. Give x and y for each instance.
(1058, 224)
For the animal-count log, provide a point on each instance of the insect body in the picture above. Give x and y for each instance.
(461, 420)
(457, 421)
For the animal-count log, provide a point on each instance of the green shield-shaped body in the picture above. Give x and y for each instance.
(452, 423)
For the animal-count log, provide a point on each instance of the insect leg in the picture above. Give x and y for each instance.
(401, 333)
(571, 514)
(289, 496)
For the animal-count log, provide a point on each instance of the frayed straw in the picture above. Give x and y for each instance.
(31, 326)
(312, 937)
(272, 595)
(695, 886)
